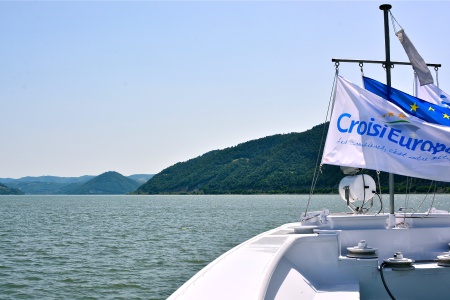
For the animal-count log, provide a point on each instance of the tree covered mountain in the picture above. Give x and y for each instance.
(5, 190)
(109, 183)
(48, 179)
(53, 185)
(282, 163)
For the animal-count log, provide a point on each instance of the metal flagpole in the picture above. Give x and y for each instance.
(385, 8)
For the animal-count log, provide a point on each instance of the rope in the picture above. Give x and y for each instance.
(384, 282)
(434, 197)
(407, 193)
(380, 195)
(432, 183)
(316, 174)
(381, 204)
(361, 65)
(393, 20)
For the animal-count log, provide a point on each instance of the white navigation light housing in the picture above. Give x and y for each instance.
(359, 187)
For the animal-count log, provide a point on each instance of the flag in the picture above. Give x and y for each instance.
(366, 131)
(431, 93)
(417, 62)
(420, 108)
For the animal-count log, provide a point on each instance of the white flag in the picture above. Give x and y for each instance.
(431, 93)
(417, 62)
(369, 132)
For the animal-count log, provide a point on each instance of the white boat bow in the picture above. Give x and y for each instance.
(285, 264)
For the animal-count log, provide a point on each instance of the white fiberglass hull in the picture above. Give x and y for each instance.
(300, 261)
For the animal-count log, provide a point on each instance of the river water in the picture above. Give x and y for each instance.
(131, 247)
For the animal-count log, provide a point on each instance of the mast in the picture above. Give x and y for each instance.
(388, 64)
(385, 8)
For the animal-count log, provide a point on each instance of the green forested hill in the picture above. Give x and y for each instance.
(281, 163)
(109, 183)
(54, 185)
(4, 190)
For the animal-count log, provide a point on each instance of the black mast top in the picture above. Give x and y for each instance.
(386, 8)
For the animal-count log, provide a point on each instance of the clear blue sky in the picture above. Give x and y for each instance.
(135, 87)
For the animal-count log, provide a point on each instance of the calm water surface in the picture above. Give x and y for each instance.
(131, 247)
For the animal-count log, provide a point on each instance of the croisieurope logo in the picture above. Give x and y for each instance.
(401, 136)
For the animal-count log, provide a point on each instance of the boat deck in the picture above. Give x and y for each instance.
(284, 264)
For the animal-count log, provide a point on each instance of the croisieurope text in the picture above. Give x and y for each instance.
(346, 124)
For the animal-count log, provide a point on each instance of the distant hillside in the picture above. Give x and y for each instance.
(109, 183)
(46, 185)
(48, 179)
(54, 185)
(43, 188)
(4, 190)
(141, 178)
(282, 163)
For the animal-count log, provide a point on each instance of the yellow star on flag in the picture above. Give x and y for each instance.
(446, 116)
(431, 108)
(414, 107)
(400, 115)
(390, 114)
